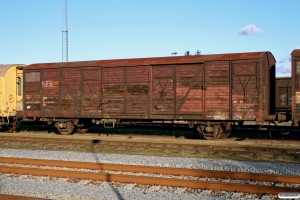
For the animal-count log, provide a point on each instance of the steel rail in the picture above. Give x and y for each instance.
(257, 189)
(14, 197)
(156, 170)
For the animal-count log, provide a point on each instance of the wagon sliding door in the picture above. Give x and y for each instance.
(296, 88)
(125, 92)
(283, 93)
(162, 97)
(70, 92)
(61, 92)
(91, 92)
(245, 90)
(177, 92)
(189, 91)
(217, 90)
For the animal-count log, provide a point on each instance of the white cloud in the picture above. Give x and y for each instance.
(284, 59)
(250, 29)
(283, 70)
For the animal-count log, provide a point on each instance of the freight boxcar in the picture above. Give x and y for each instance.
(11, 95)
(209, 92)
(295, 61)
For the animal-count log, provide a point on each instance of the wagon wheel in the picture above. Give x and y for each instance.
(66, 130)
(224, 135)
(10, 129)
(217, 134)
(82, 131)
(221, 136)
(227, 128)
(285, 133)
(295, 122)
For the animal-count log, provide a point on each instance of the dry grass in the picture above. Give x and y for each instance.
(164, 139)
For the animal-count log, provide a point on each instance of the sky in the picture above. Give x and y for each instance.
(31, 30)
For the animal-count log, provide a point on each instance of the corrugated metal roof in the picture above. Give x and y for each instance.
(4, 68)
(158, 60)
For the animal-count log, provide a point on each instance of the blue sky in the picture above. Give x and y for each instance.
(31, 30)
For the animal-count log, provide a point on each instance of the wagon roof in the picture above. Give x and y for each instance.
(159, 60)
(4, 68)
(296, 52)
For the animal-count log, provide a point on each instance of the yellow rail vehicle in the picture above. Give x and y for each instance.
(11, 96)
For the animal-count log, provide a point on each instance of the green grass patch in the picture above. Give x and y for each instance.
(148, 152)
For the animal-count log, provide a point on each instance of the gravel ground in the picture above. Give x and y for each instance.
(61, 189)
(64, 189)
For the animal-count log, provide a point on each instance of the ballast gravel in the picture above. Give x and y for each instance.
(59, 188)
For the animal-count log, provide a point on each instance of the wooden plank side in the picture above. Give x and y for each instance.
(137, 76)
(296, 87)
(137, 82)
(32, 101)
(217, 91)
(162, 90)
(70, 92)
(245, 93)
(50, 92)
(265, 88)
(113, 76)
(217, 102)
(91, 92)
(113, 82)
(189, 82)
(193, 102)
(32, 94)
(126, 91)
(137, 104)
(283, 93)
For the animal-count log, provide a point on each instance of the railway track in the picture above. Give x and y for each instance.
(14, 197)
(156, 176)
(232, 150)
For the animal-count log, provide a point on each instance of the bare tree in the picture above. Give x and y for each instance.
(187, 53)
(198, 52)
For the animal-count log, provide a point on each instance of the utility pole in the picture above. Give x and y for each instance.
(65, 32)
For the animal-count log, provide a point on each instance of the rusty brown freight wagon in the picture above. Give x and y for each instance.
(209, 92)
(295, 61)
